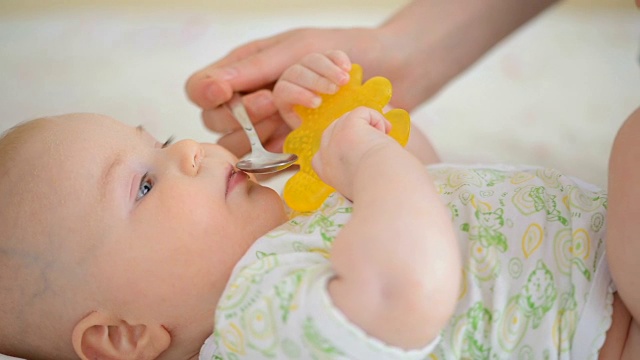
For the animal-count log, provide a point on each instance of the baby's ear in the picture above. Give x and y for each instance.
(102, 336)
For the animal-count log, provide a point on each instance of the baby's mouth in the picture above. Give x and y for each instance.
(234, 179)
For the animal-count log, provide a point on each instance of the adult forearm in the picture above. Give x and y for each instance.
(438, 39)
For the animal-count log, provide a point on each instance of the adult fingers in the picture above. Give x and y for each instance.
(258, 64)
(259, 106)
(209, 87)
(276, 141)
(237, 141)
(252, 66)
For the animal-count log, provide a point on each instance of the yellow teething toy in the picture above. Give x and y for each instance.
(304, 191)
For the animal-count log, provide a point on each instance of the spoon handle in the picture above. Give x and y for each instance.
(240, 113)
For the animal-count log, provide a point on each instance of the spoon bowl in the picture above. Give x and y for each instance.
(266, 165)
(260, 161)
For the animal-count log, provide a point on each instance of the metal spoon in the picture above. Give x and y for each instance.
(260, 160)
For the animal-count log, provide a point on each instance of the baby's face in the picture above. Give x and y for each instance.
(161, 227)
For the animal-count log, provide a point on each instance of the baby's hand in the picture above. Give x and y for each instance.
(302, 83)
(347, 143)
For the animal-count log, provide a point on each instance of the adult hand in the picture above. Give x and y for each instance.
(258, 64)
(253, 69)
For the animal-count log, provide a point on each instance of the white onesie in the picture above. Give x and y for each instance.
(535, 280)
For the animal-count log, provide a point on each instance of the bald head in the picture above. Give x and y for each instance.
(39, 278)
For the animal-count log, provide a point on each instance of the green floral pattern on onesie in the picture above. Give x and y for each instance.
(532, 242)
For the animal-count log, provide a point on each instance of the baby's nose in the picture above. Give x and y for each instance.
(188, 154)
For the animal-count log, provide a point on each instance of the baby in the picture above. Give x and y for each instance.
(117, 246)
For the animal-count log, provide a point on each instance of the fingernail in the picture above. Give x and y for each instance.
(213, 91)
(346, 67)
(344, 78)
(315, 102)
(263, 101)
(224, 73)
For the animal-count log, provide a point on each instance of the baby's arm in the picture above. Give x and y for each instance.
(397, 261)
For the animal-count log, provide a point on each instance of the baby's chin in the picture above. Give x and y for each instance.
(257, 189)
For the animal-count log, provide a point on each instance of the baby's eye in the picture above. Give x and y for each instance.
(146, 184)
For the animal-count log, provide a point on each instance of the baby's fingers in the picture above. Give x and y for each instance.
(333, 66)
(308, 79)
(364, 116)
(378, 121)
(287, 94)
(318, 73)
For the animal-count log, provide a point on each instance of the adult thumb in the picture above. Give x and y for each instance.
(209, 88)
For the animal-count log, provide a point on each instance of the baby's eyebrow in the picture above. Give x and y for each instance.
(112, 165)
(144, 134)
(108, 173)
